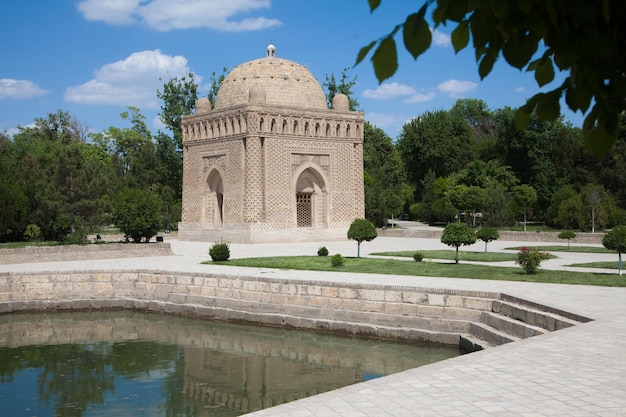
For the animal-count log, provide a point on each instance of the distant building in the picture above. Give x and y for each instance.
(271, 162)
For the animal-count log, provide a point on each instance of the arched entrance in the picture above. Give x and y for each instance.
(213, 207)
(311, 199)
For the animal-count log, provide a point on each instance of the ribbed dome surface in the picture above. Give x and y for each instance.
(284, 82)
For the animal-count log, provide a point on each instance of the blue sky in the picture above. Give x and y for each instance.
(93, 58)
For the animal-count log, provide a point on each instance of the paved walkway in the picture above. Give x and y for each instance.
(579, 371)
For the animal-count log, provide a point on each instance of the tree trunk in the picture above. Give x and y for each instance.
(456, 256)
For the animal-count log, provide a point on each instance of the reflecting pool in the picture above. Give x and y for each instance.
(123, 363)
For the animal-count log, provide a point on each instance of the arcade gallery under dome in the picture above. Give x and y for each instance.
(271, 161)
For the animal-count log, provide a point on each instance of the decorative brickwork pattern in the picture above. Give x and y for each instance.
(269, 139)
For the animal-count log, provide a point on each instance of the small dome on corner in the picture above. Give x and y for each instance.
(203, 105)
(341, 102)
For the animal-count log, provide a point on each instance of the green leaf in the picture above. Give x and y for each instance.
(486, 64)
(578, 94)
(518, 49)
(374, 4)
(416, 34)
(363, 52)
(385, 59)
(600, 139)
(544, 73)
(523, 114)
(460, 36)
(548, 107)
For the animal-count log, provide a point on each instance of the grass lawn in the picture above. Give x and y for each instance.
(582, 249)
(449, 254)
(606, 265)
(429, 269)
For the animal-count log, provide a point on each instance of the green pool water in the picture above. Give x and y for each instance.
(138, 364)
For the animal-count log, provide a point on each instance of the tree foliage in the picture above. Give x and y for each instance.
(540, 37)
(487, 234)
(435, 141)
(362, 230)
(616, 240)
(458, 234)
(384, 175)
(137, 213)
(343, 86)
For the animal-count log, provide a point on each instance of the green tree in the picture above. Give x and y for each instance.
(487, 234)
(477, 115)
(524, 197)
(384, 175)
(362, 230)
(438, 141)
(530, 153)
(567, 234)
(458, 234)
(537, 36)
(13, 209)
(137, 213)
(497, 208)
(593, 196)
(616, 240)
(343, 86)
(179, 97)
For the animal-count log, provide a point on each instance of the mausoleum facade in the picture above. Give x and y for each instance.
(271, 162)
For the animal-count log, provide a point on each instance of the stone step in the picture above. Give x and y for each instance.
(510, 326)
(490, 335)
(546, 320)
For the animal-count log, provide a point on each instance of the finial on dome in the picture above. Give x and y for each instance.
(271, 50)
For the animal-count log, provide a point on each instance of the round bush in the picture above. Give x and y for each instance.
(337, 260)
(418, 256)
(220, 251)
(322, 251)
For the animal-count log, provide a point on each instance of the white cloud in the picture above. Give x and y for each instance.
(456, 88)
(158, 124)
(420, 97)
(179, 14)
(520, 89)
(440, 39)
(130, 82)
(389, 90)
(19, 89)
(115, 12)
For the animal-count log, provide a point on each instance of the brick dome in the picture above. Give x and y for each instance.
(284, 83)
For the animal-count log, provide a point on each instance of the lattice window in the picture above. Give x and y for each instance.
(303, 210)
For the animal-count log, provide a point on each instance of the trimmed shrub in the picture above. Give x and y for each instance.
(418, 256)
(322, 251)
(567, 234)
(337, 260)
(220, 251)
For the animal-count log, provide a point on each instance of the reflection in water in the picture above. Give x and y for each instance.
(136, 364)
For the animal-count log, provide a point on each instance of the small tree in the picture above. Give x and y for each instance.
(567, 234)
(487, 234)
(360, 230)
(524, 197)
(137, 213)
(616, 240)
(457, 234)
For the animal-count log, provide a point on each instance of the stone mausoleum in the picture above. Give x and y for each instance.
(271, 162)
